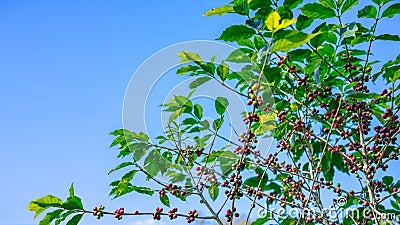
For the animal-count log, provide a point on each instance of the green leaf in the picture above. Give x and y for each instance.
(388, 37)
(347, 5)
(155, 163)
(186, 69)
(199, 81)
(213, 191)
(223, 70)
(387, 180)
(381, 2)
(72, 203)
(219, 11)
(328, 3)
(50, 217)
(221, 104)
(291, 39)
(236, 33)
(291, 4)
(126, 179)
(189, 121)
(189, 57)
(318, 40)
(239, 55)
(71, 190)
(198, 111)
(217, 123)
(299, 54)
(317, 11)
(142, 190)
(368, 11)
(47, 201)
(164, 200)
(241, 7)
(263, 219)
(391, 10)
(303, 22)
(226, 159)
(75, 220)
(120, 166)
(257, 4)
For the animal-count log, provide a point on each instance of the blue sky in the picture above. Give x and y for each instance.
(64, 67)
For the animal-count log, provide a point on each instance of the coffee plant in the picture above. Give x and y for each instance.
(312, 84)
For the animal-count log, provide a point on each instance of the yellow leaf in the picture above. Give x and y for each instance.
(285, 23)
(272, 20)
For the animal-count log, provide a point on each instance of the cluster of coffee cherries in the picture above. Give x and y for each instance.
(294, 188)
(157, 213)
(230, 214)
(172, 188)
(189, 151)
(353, 108)
(352, 161)
(98, 211)
(251, 117)
(335, 149)
(236, 182)
(359, 86)
(118, 213)
(299, 125)
(302, 81)
(192, 214)
(209, 174)
(251, 192)
(172, 213)
(254, 100)
(350, 66)
(281, 115)
(384, 134)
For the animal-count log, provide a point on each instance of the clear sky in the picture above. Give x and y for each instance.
(64, 67)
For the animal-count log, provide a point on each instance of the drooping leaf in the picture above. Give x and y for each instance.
(347, 5)
(223, 71)
(75, 219)
(219, 11)
(120, 166)
(164, 200)
(368, 11)
(388, 37)
(125, 180)
(186, 69)
(317, 11)
(198, 111)
(50, 217)
(291, 39)
(199, 81)
(236, 33)
(239, 55)
(46, 201)
(221, 104)
(391, 10)
(189, 57)
(303, 22)
(291, 4)
(213, 191)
